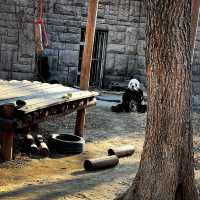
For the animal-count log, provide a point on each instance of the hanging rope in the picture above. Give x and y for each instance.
(41, 37)
(40, 21)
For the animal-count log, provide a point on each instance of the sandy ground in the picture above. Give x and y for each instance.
(64, 177)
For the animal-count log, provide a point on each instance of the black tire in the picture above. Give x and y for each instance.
(66, 144)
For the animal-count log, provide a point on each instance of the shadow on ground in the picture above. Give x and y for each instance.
(81, 181)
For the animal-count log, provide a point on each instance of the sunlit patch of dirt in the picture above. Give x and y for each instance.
(60, 177)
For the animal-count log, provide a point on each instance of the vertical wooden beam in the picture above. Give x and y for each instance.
(7, 145)
(86, 61)
(7, 129)
(194, 21)
(88, 47)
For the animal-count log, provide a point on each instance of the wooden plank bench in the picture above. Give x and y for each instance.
(42, 100)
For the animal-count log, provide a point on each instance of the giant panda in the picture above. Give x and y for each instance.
(132, 99)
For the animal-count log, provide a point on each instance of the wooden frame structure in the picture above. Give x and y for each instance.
(12, 118)
(42, 100)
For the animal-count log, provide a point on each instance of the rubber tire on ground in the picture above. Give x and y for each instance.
(66, 144)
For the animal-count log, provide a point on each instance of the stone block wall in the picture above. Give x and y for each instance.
(63, 24)
(123, 19)
(17, 54)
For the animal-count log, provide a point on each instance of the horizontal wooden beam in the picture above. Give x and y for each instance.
(38, 116)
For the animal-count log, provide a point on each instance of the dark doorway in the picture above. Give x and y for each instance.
(98, 58)
(42, 68)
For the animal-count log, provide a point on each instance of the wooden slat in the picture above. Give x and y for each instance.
(23, 84)
(11, 91)
(33, 89)
(41, 92)
(41, 103)
(44, 93)
(39, 95)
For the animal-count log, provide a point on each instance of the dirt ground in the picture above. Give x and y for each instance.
(64, 177)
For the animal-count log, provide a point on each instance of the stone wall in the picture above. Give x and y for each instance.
(124, 21)
(17, 57)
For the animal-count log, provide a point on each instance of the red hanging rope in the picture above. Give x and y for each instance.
(41, 22)
(41, 9)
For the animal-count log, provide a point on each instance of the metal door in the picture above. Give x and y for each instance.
(98, 58)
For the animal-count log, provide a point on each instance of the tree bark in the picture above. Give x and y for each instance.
(166, 171)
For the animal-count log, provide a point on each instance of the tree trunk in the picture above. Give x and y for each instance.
(166, 171)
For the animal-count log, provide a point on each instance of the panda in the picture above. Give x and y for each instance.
(132, 99)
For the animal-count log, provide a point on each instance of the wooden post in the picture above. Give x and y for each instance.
(86, 61)
(6, 111)
(195, 19)
(7, 146)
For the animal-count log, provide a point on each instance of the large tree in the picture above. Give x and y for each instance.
(166, 171)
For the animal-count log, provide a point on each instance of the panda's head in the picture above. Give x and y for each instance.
(134, 84)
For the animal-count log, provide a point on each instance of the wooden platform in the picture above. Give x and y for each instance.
(39, 95)
(41, 100)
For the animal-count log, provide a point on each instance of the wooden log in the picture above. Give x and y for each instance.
(123, 151)
(34, 149)
(30, 143)
(101, 163)
(29, 139)
(86, 61)
(43, 148)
